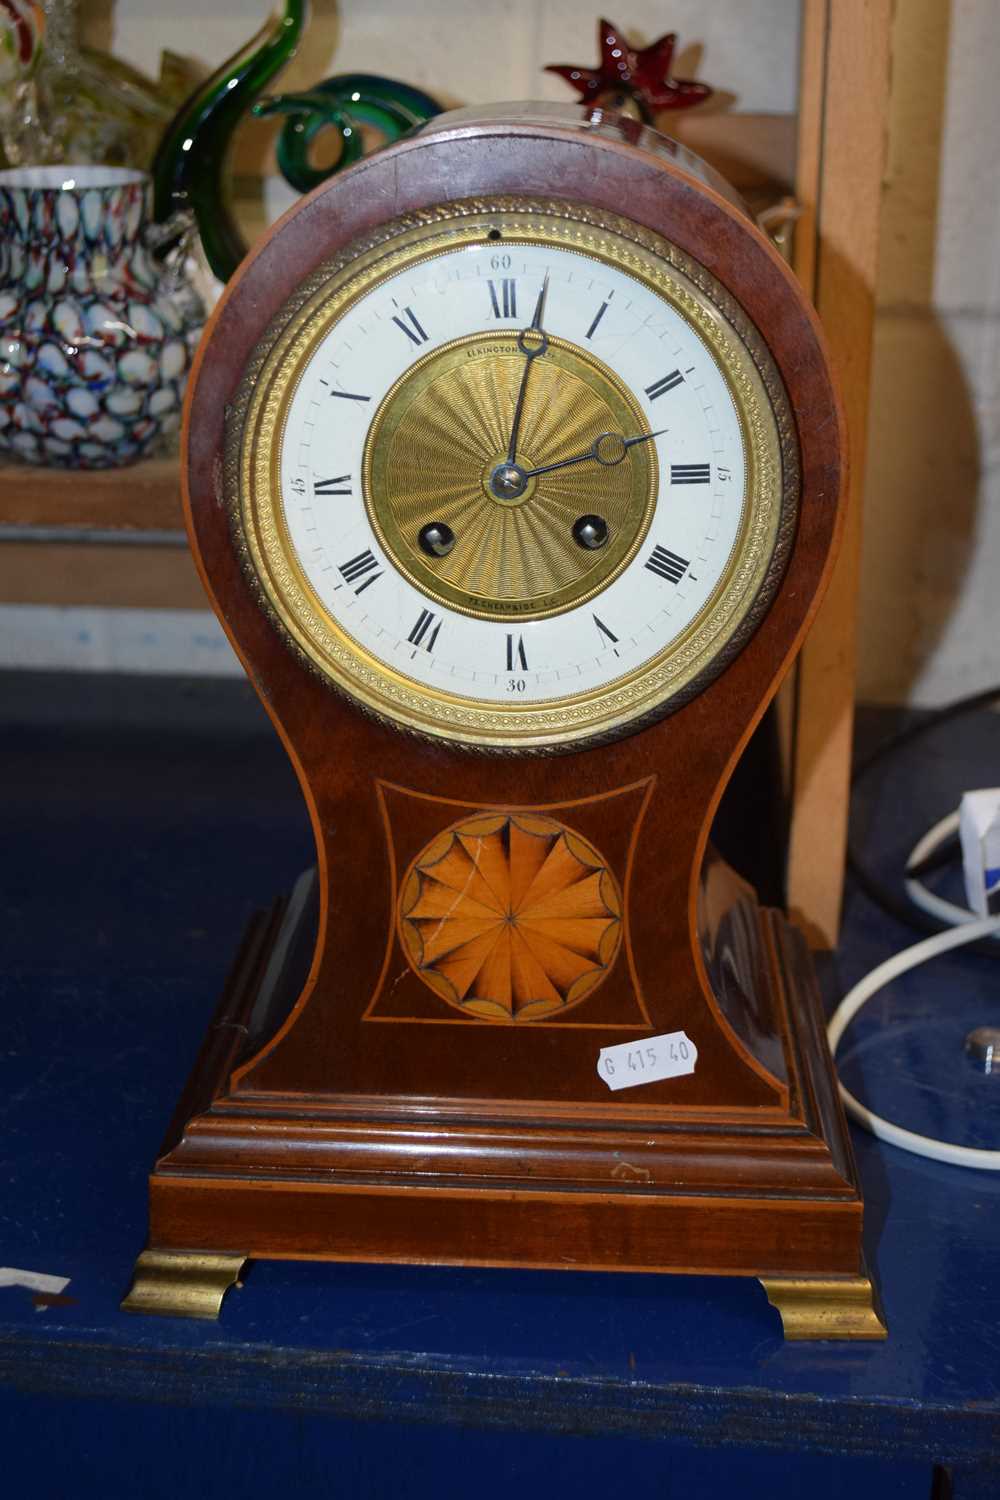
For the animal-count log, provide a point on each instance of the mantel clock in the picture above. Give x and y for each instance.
(513, 469)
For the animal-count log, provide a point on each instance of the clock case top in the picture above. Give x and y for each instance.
(352, 1125)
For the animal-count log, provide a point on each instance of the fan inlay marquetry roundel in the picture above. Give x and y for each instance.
(510, 916)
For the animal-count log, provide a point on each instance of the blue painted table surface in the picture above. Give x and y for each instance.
(144, 820)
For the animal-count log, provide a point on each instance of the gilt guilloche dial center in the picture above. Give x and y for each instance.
(438, 450)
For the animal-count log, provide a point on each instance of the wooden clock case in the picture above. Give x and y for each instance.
(339, 1109)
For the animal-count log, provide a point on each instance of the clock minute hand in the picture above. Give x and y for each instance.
(530, 353)
(615, 445)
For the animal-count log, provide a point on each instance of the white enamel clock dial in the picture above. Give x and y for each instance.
(523, 478)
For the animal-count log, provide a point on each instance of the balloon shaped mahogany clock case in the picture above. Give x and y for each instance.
(513, 468)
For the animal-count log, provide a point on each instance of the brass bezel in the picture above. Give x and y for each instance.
(757, 561)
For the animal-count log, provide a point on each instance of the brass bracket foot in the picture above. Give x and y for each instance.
(182, 1283)
(827, 1307)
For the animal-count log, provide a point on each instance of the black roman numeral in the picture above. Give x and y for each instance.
(690, 473)
(597, 318)
(660, 387)
(516, 655)
(609, 634)
(505, 299)
(420, 630)
(667, 564)
(349, 396)
(413, 330)
(359, 567)
(330, 486)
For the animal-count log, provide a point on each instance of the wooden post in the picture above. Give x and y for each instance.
(843, 120)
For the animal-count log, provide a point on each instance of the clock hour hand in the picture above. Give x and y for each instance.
(532, 342)
(608, 449)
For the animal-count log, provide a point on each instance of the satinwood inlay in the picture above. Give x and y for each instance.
(510, 916)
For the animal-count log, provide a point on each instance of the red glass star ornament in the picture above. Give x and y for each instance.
(642, 74)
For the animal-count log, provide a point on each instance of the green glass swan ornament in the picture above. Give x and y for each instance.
(346, 104)
(188, 169)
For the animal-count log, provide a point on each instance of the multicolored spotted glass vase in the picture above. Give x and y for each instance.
(96, 338)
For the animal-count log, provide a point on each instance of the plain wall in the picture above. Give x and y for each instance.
(930, 590)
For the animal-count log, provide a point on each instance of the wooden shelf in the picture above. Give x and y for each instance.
(140, 498)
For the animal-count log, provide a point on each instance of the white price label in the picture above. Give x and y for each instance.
(632, 1063)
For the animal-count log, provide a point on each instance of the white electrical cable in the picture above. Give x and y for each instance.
(936, 906)
(918, 893)
(910, 958)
